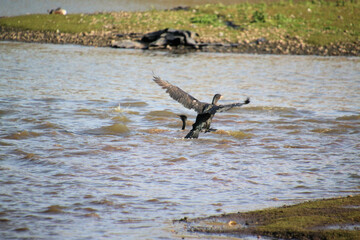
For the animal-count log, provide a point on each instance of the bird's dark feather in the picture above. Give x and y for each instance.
(224, 108)
(180, 95)
(205, 111)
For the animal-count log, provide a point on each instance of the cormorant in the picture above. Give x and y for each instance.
(205, 111)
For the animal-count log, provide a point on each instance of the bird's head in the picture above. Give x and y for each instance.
(216, 98)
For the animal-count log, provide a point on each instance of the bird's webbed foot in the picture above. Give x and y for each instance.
(211, 130)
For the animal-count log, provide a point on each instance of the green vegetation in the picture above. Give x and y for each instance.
(206, 19)
(318, 22)
(329, 218)
(258, 16)
(337, 218)
(73, 23)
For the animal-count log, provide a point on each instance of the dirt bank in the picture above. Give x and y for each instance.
(337, 218)
(289, 45)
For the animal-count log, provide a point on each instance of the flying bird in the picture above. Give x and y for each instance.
(206, 111)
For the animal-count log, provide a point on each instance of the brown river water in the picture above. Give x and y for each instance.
(91, 147)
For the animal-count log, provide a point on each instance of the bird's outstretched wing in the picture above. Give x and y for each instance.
(181, 96)
(224, 108)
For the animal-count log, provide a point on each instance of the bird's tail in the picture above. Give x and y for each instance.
(193, 134)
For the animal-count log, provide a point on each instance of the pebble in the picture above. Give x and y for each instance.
(232, 223)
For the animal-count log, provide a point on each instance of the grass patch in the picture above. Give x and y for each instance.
(337, 218)
(206, 19)
(72, 23)
(317, 22)
(258, 17)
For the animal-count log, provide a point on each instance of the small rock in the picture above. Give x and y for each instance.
(58, 10)
(232, 223)
(180, 8)
(231, 24)
(260, 40)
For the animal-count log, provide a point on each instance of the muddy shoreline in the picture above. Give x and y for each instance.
(289, 46)
(336, 218)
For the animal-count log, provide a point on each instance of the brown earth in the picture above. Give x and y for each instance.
(336, 218)
(289, 46)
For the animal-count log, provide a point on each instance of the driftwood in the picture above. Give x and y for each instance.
(161, 39)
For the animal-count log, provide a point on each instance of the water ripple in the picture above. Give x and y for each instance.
(90, 142)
